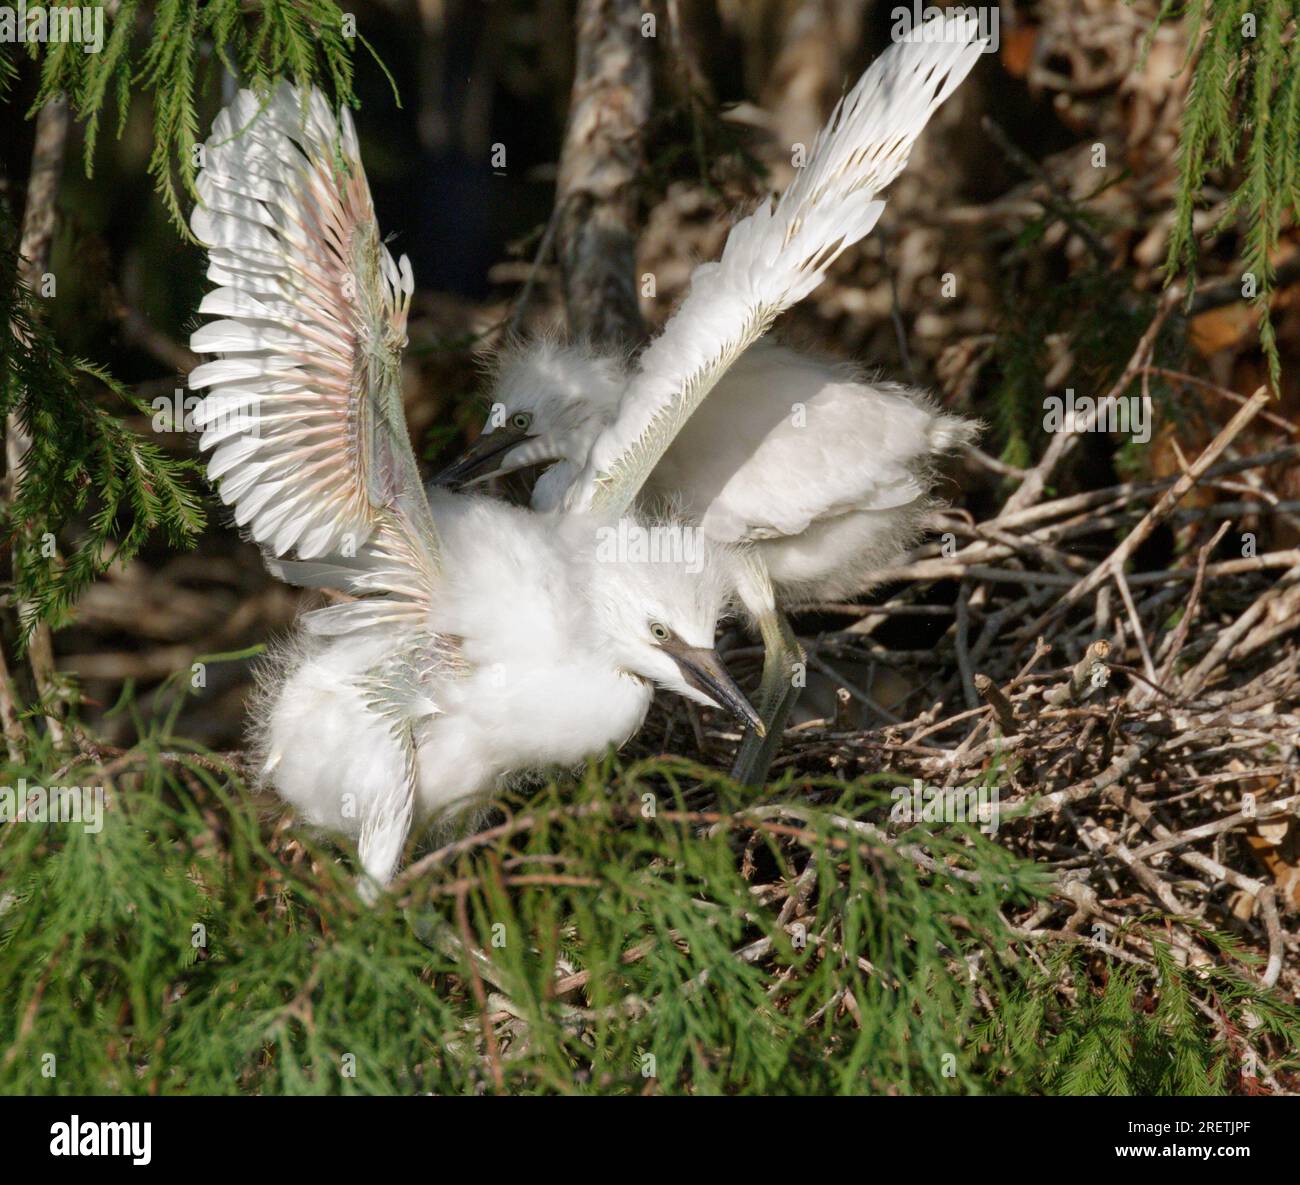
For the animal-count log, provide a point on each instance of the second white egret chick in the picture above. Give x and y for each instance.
(824, 475)
(828, 474)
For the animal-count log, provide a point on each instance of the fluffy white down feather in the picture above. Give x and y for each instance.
(539, 618)
(827, 473)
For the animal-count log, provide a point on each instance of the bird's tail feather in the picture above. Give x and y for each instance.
(948, 433)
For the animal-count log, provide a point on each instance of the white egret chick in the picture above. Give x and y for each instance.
(824, 475)
(484, 641)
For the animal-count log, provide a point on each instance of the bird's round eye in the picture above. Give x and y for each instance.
(521, 420)
(660, 633)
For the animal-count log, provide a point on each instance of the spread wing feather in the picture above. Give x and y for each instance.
(777, 255)
(303, 414)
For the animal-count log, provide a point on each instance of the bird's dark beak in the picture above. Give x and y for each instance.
(703, 670)
(482, 457)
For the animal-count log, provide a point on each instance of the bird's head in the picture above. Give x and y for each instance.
(658, 591)
(549, 400)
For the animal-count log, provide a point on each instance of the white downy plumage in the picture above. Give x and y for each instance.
(484, 640)
(823, 474)
(492, 643)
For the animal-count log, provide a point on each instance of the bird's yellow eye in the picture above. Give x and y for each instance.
(660, 633)
(521, 420)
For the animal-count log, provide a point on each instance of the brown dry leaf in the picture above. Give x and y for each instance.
(1242, 905)
(1231, 327)
(1018, 50)
(1276, 845)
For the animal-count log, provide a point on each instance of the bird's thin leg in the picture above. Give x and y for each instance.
(783, 664)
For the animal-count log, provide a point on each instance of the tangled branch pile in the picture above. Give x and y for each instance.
(1139, 721)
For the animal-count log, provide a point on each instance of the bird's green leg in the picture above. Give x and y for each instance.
(783, 665)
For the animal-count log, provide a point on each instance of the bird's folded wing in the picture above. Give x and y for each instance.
(303, 413)
(778, 255)
(396, 691)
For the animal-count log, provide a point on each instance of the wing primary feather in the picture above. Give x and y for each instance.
(777, 255)
(302, 416)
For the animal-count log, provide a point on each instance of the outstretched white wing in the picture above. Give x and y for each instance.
(778, 255)
(303, 414)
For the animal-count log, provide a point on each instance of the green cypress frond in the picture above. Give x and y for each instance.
(174, 58)
(82, 457)
(180, 950)
(1242, 115)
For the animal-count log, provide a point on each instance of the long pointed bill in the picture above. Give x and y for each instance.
(482, 458)
(703, 670)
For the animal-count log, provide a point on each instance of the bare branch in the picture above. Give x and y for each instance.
(602, 157)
